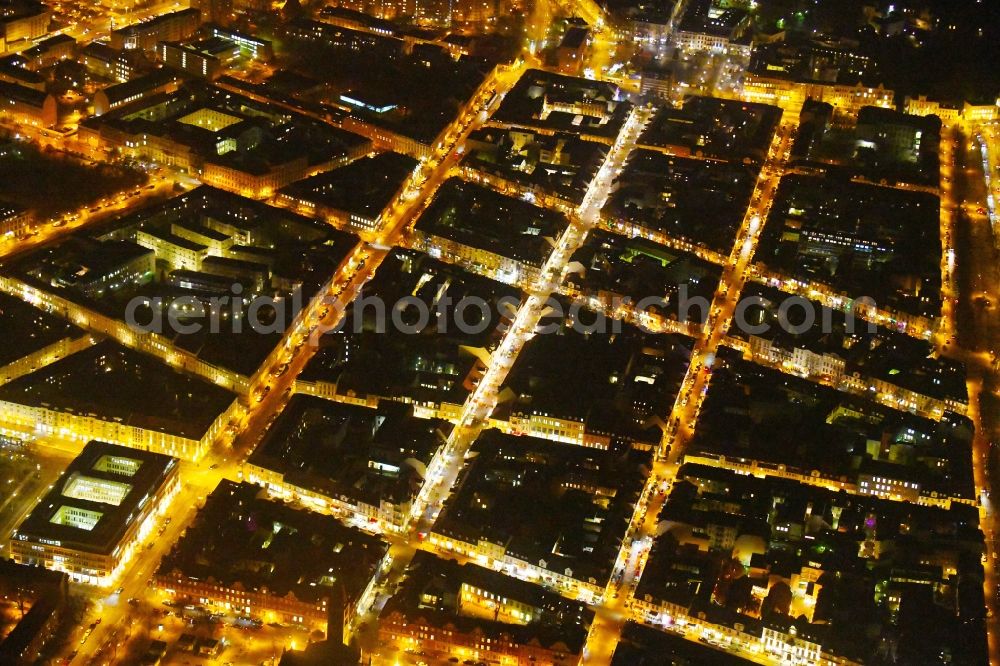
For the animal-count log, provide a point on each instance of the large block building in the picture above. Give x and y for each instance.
(97, 513)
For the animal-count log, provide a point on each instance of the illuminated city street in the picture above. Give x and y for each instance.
(268, 473)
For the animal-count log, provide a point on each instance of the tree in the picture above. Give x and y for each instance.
(778, 600)
(740, 597)
(729, 570)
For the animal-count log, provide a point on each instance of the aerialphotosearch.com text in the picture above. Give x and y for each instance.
(472, 315)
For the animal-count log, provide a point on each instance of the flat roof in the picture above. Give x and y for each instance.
(574, 38)
(112, 382)
(787, 420)
(64, 518)
(704, 16)
(202, 230)
(431, 366)
(568, 172)
(88, 260)
(364, 187)
(228, 263)
(614, 383)
(154, 21)
(22, 94)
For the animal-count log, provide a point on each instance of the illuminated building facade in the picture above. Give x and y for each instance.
(27, 105)
(13, 218)
(23, 21)
(429, 12)
(471, 612)
(163, 28)
(204, 59)
(790, 95)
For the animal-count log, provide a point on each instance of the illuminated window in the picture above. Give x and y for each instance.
(96, 490)
(72, 516)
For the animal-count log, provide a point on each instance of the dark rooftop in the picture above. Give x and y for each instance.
(698, 201)
(364, 187)
(139, 85)
(722, 129)
(370, 355)
(479, 217)
(565, 505)
(342, 450)
(27, 329)
(22, 94)
(782, 419)
(185, 405)
(617, 383)
(862, 240)
(240, 537)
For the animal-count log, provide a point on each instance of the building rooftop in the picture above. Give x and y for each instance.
(616, 382)
(350, 15)
(185, 406)
(370, 355)
(341, 450)
(43, 592)
(711, 18)
(173, 239)
(574, 38)
(701, 202)
(27, 329)
(95, 500)
(22, 94)
(79, 263)
(363, 187)
(861, 240)
(799, 57)
(240, 538)
(120, 92)
(155, 21)
(873, 351)
(564, 505)
(640, 270)
(825, 546)
(721, 129)
(883, 145)
(785, 420)
(9, 209)
(443, 593)
(561, 163)
(290, 252)
(15, 68)
(473, 215)
(554, 101)
(644, 646)
(42, 47)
